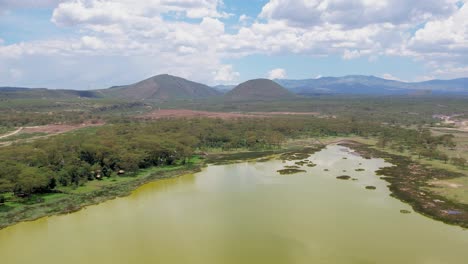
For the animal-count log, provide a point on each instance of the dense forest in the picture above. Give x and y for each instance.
(127, 146)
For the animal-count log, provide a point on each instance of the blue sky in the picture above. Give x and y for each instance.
(89, 44)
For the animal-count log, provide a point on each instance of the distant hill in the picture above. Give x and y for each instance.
(224, 88)
(167, 87)
(371, 85)
(43, 93)
(259, 89)
(162, 87)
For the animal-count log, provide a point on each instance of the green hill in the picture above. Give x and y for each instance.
(162, 87)
(259, 89)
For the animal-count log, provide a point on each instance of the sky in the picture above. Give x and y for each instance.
(92, 44)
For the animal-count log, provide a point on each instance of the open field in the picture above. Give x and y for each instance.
(35, 132)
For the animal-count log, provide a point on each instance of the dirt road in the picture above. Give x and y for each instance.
(12, 133)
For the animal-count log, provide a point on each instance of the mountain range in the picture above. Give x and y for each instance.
(167, 87)
(359, 84)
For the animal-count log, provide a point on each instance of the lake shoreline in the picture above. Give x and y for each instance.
(407, 180)
(76, 202)
(400, 186)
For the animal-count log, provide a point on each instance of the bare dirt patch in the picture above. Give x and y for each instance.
(28, 134)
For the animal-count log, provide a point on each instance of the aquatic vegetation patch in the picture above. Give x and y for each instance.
(409, 182)
(301, 154)
(289, 171)
(360, 169)
(301, 163)
(343, 177)
(292, 167)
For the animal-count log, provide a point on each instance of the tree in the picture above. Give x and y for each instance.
(31, 180)
(460, 162)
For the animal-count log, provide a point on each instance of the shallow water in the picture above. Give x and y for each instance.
(245, 213)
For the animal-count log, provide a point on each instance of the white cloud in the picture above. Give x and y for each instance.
(92, 43)
(225, 74)
(448, 35)
(188, 37)
(443, 44)
(243, 18)
(355, 13)
(106, 12)
(277, 74)
(389, 76)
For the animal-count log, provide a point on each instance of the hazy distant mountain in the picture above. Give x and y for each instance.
(43, 93)
(162, 87)
(259, 89)
(224, 88)
(357, 84)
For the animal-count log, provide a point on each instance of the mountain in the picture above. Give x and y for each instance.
(259, 89)
(43, 93)
(371, 85)
(224, 88)
(161, 87)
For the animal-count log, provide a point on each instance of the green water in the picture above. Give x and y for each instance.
(245, 213)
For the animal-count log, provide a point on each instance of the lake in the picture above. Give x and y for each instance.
(246, 213)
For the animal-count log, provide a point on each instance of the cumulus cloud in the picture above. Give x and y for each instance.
(105, 12)
(443, 43)
(188, 37)
(355, 13)
(277, 74)
(226, 74)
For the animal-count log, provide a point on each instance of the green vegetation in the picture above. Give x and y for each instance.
(259, 89)
(343, 177)
(22, 136)
(290, 171)
(410, 181)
